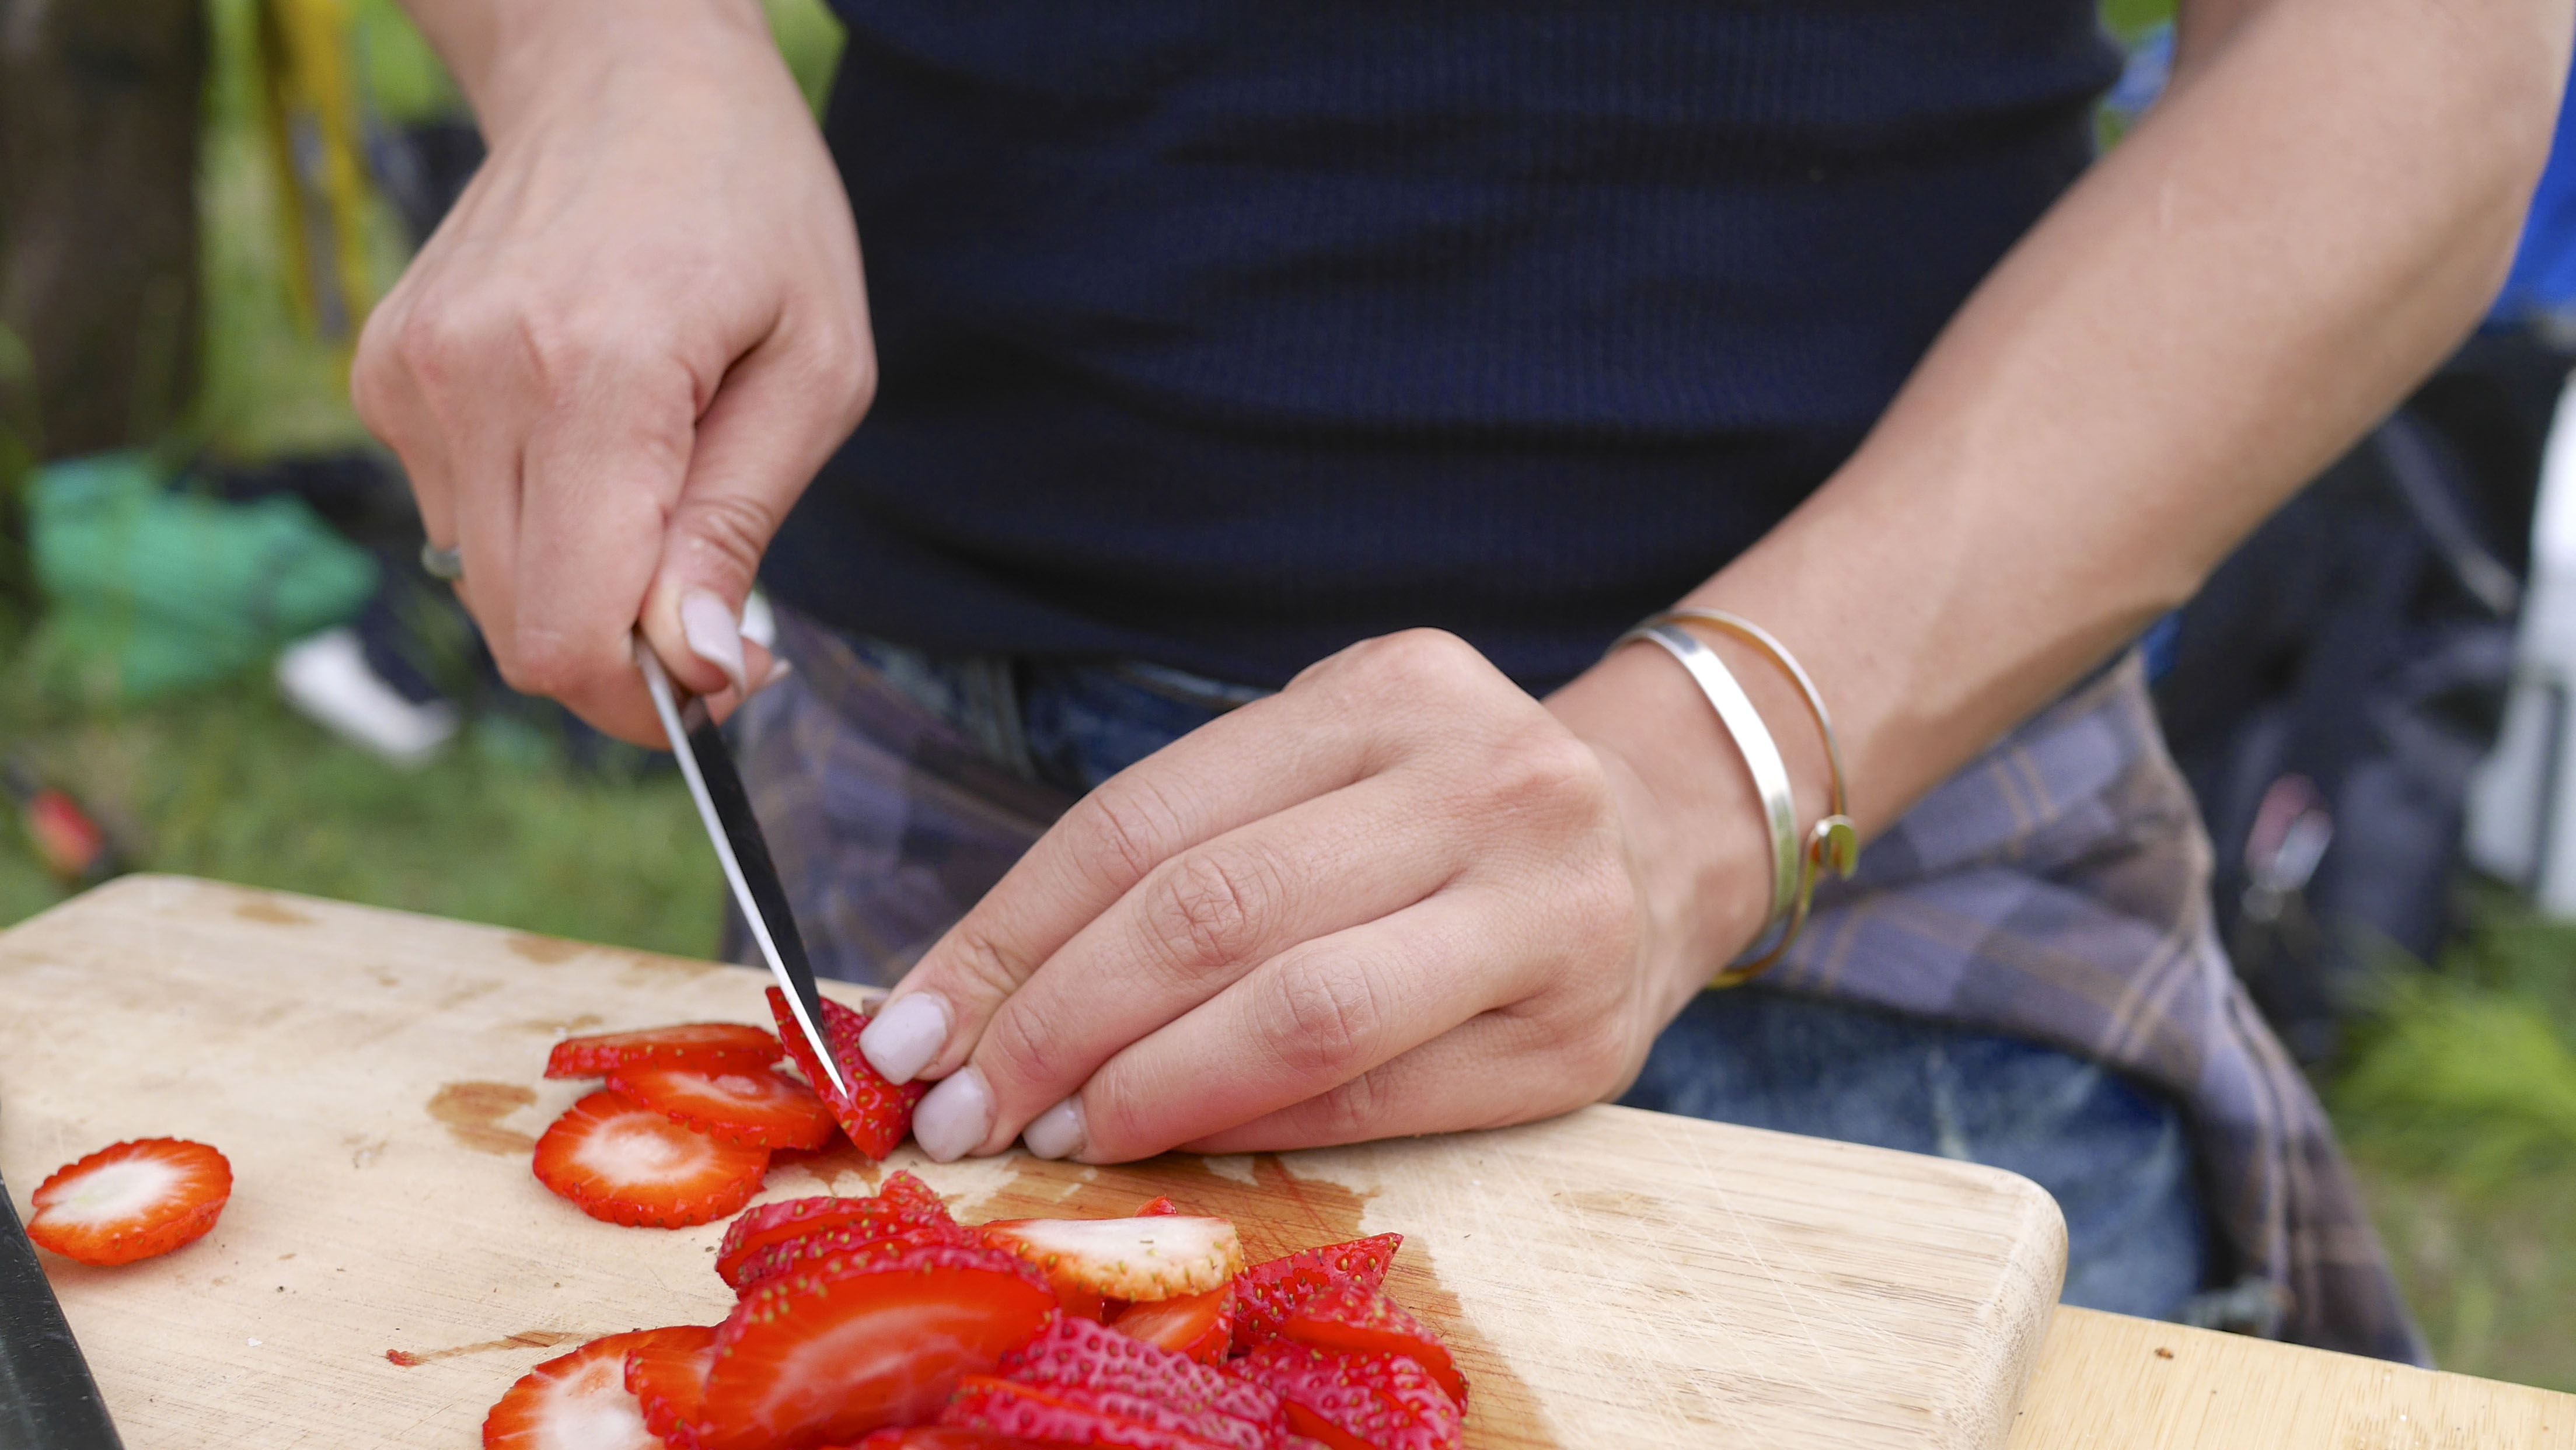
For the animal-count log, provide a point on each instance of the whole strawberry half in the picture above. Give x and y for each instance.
(853, 1344)
(874, 1112)
(623, 1162)
(580, 1400)
(131, 1201)
(709, 1046)
(1267, 1293)
(1161, 1257)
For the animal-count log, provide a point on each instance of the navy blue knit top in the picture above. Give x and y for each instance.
(1222, 333)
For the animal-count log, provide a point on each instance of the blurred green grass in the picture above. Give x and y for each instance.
(2458, 1105)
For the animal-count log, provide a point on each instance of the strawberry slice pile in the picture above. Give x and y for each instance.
(682, 1130)
(882, 1323)
(131, 1201)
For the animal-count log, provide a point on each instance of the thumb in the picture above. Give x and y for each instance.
(777, 417)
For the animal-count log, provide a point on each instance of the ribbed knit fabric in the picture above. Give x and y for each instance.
(1222, 334)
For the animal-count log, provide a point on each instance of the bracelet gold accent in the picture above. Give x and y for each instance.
(1761, 755)
(1833, 843)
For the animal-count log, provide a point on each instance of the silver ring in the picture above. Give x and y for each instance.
(440, 563)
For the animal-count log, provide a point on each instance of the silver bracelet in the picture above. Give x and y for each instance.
(1761, 759)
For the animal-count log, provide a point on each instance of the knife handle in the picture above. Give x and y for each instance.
(47, 1399)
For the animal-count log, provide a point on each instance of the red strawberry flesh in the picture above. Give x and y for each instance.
(755, 1108)
(1356, 1401)
(853, 1344)
(711, 1046)
(771, 1225)
(874, 1112)
(668, 1378)
(620, 1161)
(131, 1201)
(1198, 1325)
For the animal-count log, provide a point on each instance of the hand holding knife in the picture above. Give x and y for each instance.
(725, 808)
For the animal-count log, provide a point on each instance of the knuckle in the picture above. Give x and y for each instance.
(969, 951)
(735, 527)
(1429, 662)
(1208, 910)
(1352, 1111)
(1123, 826)
(1018, 1059)
(1322, 1017)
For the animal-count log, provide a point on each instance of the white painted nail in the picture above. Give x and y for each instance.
(1057, 1132)
(903, 1038)
(779, 669)
(954, 1118)
(708, 625)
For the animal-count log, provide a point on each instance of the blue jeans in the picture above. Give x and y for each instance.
(2112, 1152)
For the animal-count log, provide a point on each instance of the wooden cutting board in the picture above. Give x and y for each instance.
(388, 1265)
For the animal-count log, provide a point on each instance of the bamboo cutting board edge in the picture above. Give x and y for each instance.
(1767, 1289)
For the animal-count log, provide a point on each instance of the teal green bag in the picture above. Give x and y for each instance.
(150, 589)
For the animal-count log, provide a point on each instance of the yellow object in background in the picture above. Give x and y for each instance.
(310, 111)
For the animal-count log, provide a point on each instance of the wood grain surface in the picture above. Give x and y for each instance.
(388, 1265)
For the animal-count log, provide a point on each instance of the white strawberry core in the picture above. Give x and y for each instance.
(734, 1084)
(1162, 1257)
(638, 1151)
(593, 1411)
(115, 1192)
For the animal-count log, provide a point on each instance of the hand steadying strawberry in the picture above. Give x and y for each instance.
(874, 1112)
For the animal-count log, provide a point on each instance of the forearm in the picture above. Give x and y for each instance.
(508, 55)
(2310, 221)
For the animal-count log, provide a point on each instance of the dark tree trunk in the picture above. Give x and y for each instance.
(100, 103)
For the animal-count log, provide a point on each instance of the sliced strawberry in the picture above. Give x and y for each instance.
(1084, 1364)
(756, 1108)
(942, 1437)
(773, 1224)
(1162, 1257)
(1158, 1208)
(131, 1201)
(668, 1378)
(1000, 1407)
(1356, 1401)
(712, 1046)
(1354, 1319)
(628, 1164)
(1198, 1325)
(579, 1401)
(1267, 1293)
(900, 1187)
(794, 1254)
(870, 1339)
(875, 1113)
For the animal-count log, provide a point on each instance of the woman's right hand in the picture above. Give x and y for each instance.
(625, 352)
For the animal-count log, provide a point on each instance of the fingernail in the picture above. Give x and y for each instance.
(707, 623)
(1057, 1132)
(956, 1117)
(905, 1036)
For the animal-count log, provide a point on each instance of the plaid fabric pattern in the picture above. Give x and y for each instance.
(2055, 890)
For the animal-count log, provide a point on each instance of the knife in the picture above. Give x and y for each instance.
(725, 807)
(47, 1399)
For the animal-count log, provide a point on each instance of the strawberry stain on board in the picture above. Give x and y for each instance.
(472, 1112)
(1278, 1212)
(524, 1339)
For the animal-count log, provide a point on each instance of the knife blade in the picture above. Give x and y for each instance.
(706, 763)
(47, 1399)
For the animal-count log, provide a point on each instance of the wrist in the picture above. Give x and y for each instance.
(1700, 845)
(517, 61)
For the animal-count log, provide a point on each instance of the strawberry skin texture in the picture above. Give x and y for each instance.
(1352, 1319)
(1000, 1407)
(1161, 1257)
(942, 1437)
(1267, 1293)
(579, 1400)
(1200, 1326)
(771, 1225)
(900, 1187)
(1158, 1208)
(131, 1201)
(623, 1162)
(780, 1259)
(874, 1338)
(1356, 1401)
(874, 1112)
(708, 1046)
(668, 1378)
(755, 1108)
(1078, 1362)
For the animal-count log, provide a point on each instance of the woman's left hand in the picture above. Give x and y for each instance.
(1400, 896)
